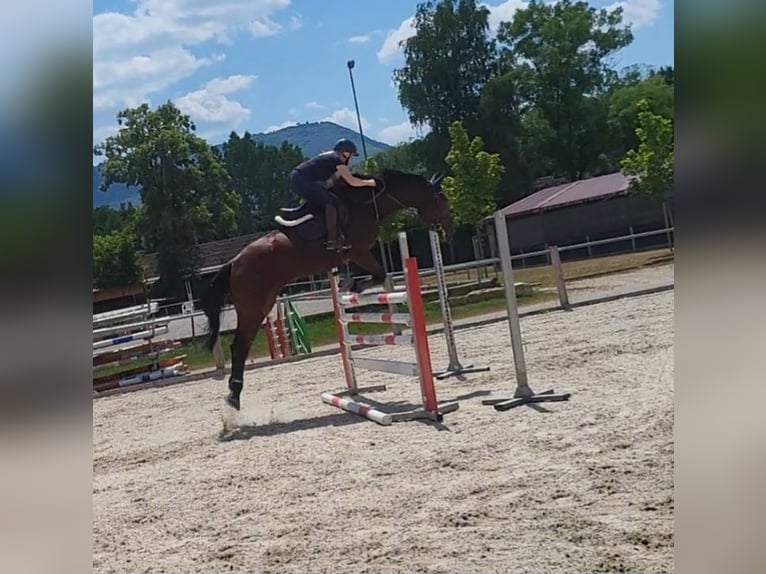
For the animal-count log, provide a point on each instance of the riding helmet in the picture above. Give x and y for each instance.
(345, 145)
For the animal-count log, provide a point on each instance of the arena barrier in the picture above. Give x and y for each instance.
(126, 351)
(523, 394)
(454, 368)
(417, 338)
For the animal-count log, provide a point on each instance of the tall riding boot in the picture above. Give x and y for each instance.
(331, 218)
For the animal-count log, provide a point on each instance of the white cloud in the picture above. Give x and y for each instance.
(295, 23)
(502, 13)
(391, 48)
(286, 124)
(638, 13)
(347, 118)
(144, 52)
(264, 27)
(359, 39)
(315, 106)
(399, 133)
(210, 103)
(137, 77)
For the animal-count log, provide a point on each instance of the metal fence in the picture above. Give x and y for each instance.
(318, 288)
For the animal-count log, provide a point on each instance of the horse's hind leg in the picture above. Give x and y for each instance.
(248, 324)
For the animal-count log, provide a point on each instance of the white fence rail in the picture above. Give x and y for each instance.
(321, 292)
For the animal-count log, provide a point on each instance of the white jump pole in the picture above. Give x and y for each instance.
(523, 394)
(454, 368)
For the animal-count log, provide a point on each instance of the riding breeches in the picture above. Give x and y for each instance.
(312, 192)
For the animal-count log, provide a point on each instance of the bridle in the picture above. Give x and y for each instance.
(382, 190)
(437, 193)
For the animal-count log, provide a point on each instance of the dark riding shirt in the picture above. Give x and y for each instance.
(321, 167)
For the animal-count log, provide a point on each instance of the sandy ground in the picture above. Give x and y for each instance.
(578, 486)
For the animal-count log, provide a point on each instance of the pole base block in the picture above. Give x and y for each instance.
(456, 369)
(526, 396)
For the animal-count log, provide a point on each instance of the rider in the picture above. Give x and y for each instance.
(312, 178)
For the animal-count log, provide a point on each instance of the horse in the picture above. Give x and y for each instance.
(256, 275)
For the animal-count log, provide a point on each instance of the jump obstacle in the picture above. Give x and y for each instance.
(418, 339)
(523, 394)
(285, 331)
(454, 368)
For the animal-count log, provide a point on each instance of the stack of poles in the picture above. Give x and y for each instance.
(454, 368)
(119, 343)
(418, 339)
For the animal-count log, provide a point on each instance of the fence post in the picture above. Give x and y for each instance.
(666, 217)
(558, 273)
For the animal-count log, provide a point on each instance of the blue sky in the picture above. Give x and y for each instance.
(262, 64)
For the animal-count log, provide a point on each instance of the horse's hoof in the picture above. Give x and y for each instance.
(233, 402)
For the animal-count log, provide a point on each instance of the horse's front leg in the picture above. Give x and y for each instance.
(371, 265)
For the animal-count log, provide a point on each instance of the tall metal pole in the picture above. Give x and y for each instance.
(350, 65)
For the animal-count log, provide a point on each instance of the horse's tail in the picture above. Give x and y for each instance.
(212, 302)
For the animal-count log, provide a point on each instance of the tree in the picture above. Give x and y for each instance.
(403, 157)
(259, 176)
(107, 220)
(559, 53)
(184, 187)
(624, 104)
(115, 260)
(447, 63)
(652, 163)
(475, 175)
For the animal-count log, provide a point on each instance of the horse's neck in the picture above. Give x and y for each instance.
(389, 207)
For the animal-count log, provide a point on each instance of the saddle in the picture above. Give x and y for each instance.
(308, 221)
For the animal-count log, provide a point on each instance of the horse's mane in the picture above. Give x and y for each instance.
(391, 177)
(396, 176)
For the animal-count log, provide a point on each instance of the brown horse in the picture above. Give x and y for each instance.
(253, 279)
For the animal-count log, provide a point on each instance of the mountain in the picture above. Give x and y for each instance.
(315, 137)
(311, 137)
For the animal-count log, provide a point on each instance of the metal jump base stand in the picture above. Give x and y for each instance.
(523, 394)
(454, 368)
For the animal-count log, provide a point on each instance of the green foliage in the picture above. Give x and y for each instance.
(259, 175)
(652, 163)
(558, 52)
(447, 63)
(115, 261)
(475, 175)
(185, 193)
(624, 105)
(543, 95)
(107, 220)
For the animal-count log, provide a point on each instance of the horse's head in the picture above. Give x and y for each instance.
(425, 195)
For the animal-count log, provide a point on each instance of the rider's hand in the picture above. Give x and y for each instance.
(371, 183)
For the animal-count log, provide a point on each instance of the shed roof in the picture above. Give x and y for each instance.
(213, 254)
(584, 190)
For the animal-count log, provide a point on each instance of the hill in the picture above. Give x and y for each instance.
(311, 137)
(314, 137)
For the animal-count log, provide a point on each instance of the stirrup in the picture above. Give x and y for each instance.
(336, 245)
